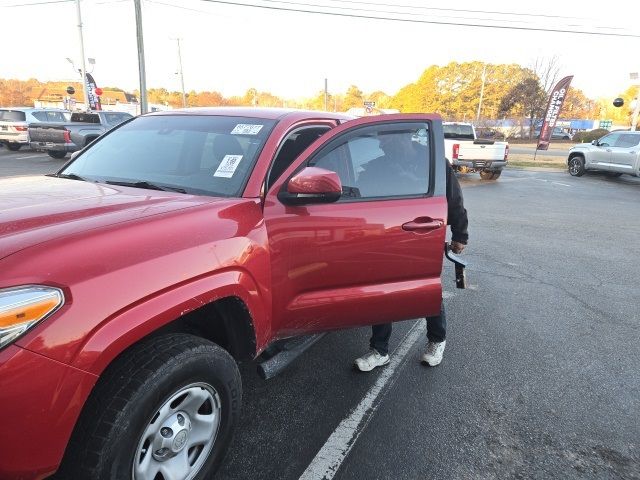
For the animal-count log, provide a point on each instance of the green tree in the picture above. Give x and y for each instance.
(527, 99)
(353, 98)
(382, 99)
(578, 105)
(454, 90)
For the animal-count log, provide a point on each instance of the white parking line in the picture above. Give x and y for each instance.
(30, 156)
(563, 184)
(328, 460)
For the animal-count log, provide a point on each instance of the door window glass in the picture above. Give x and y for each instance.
(609, 140)
(295, 143)
(381, 161)
(627, 140)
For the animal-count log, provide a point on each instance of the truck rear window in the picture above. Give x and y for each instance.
(12, 116)
(199, 154)
(458, 132)
(85, 117)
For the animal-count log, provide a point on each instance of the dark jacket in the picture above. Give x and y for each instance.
(457, 214)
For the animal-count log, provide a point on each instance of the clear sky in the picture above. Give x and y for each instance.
(230, 48)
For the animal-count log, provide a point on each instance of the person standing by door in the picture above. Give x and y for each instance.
(378, 354)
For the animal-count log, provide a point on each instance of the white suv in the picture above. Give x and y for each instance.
(14, 123)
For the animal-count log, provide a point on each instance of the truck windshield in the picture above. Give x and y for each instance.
(198, 154)
(458, 132)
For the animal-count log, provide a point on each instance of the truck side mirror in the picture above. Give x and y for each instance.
(594, 142)
(311, 185)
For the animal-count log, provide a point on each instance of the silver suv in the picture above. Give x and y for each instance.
(15, 121)
(617, 153)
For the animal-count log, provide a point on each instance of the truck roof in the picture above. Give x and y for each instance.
(257, 112)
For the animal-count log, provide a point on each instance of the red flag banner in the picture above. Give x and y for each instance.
(554, 106)
(94, 99)
(556, 99)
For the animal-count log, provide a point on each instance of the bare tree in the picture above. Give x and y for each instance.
(547, 69)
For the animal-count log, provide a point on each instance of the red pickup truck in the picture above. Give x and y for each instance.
(134, 279)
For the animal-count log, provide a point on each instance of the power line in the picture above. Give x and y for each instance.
(415, 20)
(369, 10)
(38, 3)
(47, 2)
(421, 7)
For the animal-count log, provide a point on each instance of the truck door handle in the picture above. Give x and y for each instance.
(423, 224)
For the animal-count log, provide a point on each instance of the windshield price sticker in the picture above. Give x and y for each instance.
(228, 166)
(246, 129)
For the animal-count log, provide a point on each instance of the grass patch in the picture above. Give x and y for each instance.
(525, 160)
(525, 164)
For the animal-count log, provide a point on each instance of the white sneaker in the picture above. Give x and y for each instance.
(371, 360)
(433, 355)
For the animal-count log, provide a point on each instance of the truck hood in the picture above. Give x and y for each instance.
(37, 209)
(581, 145)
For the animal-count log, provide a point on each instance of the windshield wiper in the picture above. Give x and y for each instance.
(148, 185)
(71, 176)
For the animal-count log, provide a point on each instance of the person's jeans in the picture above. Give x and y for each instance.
(436, 332)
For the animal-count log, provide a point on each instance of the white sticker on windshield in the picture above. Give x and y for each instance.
(228, 166)
(246, 129)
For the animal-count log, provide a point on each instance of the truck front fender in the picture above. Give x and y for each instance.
(137, 321)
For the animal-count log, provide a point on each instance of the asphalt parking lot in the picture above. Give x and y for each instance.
(540, 377)
(27, 162)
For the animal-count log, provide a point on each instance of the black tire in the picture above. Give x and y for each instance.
(576, 166)
(487, 175)
(127, 401)
(14, 147)
(496, 174)
(57, 154)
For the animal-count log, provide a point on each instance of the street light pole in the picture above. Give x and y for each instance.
(184, 96)
(143, 76)
(484, 76)
(326, 95)
(84, 66)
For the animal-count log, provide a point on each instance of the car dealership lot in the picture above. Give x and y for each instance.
(540, 376)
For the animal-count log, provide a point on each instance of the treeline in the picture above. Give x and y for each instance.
(452, 90)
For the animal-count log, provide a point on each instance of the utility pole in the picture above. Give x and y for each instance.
(143, 76)
(84, 66)
(184, 96)
(636, 111)
(326, 95)
(484, 76)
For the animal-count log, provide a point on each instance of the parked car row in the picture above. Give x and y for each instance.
(14, 123)
(58, 139)
(54, 131)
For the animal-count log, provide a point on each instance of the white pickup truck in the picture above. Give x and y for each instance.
(467, 153)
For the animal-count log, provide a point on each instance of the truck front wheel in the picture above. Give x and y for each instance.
(165, 410)
(14, 147)
(576, 166)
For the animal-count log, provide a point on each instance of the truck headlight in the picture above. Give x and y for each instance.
(23, 307)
